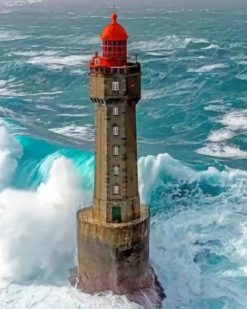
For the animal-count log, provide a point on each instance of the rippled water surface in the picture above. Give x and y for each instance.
(192, 125)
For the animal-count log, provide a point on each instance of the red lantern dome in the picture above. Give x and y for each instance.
(114, 31)
(114, 46)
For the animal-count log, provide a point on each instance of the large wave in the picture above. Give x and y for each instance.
(198, 229)
(37, 240)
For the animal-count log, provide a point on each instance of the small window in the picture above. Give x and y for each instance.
(97, 61)
(115, 86)
(116, 170)
(116, 150)
(116, 189)
(115, 130)
(115, 111)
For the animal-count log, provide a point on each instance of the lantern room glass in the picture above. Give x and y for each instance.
(114, 49)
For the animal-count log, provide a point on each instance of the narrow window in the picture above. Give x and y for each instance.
(97, 61)
(116, 189)
(115, 86)
(116, 170)
(115, 150)
(115, 130)
(115, 111)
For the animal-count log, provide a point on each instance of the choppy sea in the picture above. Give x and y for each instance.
(192, 134)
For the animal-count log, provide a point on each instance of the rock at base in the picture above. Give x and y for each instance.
(149, 296)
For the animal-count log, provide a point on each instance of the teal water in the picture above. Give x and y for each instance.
(192, 125)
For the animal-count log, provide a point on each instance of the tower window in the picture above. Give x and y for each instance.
(115, 111)
(97, 61)
(115, 150)
(116, 170)
(115, 130)
(115, 86)
(116, 189)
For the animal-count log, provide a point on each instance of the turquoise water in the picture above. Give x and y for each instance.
(192, 125)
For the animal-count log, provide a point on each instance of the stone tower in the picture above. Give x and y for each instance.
(113, 234)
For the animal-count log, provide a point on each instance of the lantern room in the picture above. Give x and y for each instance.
(114, 46)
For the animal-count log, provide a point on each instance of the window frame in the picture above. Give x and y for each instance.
(115, 130)
(115, 150)
(116, 170)
(116, 189)
(115, 111)
(115, 86)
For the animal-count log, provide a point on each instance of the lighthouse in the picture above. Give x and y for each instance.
(113, 234)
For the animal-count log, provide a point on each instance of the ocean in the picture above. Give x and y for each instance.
(192, 149)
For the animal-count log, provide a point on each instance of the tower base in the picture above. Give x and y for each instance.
(149, 296)
(115, 257)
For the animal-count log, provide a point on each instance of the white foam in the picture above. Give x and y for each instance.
(21, 2)
(236, 120)
(220, 135)
(201, 237)
(244, 62)
(32, 53)
(222, 151)
(208, 68)
(242, 76)
(215, 107)
(151, 171)
(51, 93)
(38, 227)
(71, 106)
(8, 89)
(7, 36)
(37, 240)
(85, 133)
(62, 297)
(211, 46)
(169, 42)
(153, 94)
(59, 62)
(3, 83)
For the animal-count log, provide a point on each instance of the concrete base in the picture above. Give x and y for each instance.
(149, 294)
(115, 257)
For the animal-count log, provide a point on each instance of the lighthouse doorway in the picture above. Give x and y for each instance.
(116, 214)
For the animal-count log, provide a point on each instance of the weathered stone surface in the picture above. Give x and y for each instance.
(116, 257)
(147, 292)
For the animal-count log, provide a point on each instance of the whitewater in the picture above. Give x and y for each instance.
(192, 135)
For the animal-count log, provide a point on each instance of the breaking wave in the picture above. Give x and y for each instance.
(192, 234)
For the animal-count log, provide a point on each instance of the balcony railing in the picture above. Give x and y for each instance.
(128, 69)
